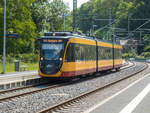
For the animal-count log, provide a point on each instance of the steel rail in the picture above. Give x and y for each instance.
(39, 84)
(31, 92)
(54, 85)
(75, 99)
(133, 64)
(20, 88)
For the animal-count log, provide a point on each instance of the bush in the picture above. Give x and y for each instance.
(26, 58)
(10, 59)
(129, 55)
(1, 59)
(33, 58)
(140, 57)
(146, 54)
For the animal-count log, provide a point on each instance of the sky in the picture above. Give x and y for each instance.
(70, 3)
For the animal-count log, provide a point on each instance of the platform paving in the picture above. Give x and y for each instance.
(17, 79)
(133, 99)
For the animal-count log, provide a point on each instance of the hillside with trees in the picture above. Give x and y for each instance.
(120, 12)
(31, 18)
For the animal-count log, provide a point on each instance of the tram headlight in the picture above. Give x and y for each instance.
(60, 59)
(41, 58)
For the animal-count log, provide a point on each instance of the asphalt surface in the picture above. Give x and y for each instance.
(135, 98)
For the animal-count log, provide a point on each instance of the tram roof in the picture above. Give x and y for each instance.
(68, 35)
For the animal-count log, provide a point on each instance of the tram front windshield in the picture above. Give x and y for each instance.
(51, 51)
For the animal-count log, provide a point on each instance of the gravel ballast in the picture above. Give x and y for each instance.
(38, 101)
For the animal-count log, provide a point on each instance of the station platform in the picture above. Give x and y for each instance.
(17, 79)
(132, 99)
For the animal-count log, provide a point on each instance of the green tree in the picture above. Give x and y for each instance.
(85, 15)
(39, 14)
(121, 11)
(19, 20)
(96, 9)
(49, 15)
(134, 9)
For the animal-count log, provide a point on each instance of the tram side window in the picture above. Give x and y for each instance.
(108, 53)
(101, 52)
(111, 53)
(84, 52)
(104, 53)
(120, 53)
(90, 52)
(80, 52)
(70, 53)
(117, 53)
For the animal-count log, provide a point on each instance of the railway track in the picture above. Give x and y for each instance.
(69, 102)
(127, 65)
(23, 91)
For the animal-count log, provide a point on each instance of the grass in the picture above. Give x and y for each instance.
(30, 66)
(10, 66)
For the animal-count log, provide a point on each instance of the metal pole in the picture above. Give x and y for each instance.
(113, 51)
(128, 24)
(110, 16)
(74, 14)
(64, 22)
(140, 36)
(94, 29)
(4, 40)
(110, 20)
(107, 35)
